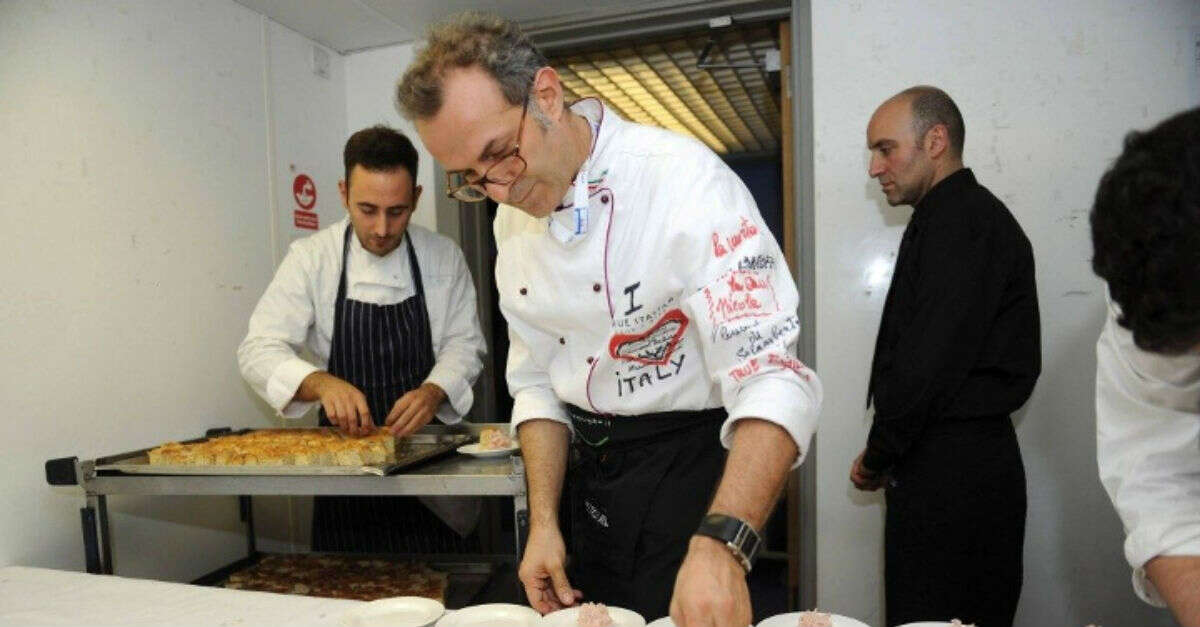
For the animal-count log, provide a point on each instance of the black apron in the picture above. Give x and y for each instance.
(640, 486)
(384, 351)
(955, 525)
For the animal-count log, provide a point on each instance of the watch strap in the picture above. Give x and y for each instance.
(738, 536)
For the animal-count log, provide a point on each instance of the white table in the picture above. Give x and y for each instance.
(39, 596)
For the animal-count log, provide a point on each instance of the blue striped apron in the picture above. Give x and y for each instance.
(385, 351)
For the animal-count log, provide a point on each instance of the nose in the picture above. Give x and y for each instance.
(876, 166)
(379, 227)
(498, 191)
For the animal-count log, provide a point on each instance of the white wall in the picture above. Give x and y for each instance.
(136, 194)
(308, 128)
(1047, 89)
(371, 79)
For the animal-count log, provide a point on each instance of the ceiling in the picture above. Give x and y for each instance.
(660, 82)
(640, 57)
(354, 25)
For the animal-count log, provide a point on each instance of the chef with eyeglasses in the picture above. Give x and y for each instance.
(652, 326)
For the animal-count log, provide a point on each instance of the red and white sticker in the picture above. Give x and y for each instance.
(304, 191)
(654, 346)
(305, 220)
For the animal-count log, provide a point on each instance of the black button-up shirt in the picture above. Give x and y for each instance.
(960, 335)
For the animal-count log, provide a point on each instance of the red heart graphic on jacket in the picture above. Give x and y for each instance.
(654, 346)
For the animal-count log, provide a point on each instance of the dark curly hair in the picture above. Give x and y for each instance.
(380, 148)
(1146, 234)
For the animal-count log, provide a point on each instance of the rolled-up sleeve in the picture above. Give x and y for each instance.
(1148, 449)
(460, 349)
(268, 356)
(744, 302)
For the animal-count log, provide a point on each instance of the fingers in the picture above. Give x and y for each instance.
(365, 424)
(396, 416)
(562, 587)
(413, 418)
(538, 590)
(411, 412)
(346, 407)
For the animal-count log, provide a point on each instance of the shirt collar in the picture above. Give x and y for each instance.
(367, 267)
(947, 189)
(568, 222)
(600, 118)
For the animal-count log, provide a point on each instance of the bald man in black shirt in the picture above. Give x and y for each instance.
(958, 351)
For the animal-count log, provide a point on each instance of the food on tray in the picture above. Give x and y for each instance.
(815, 619)
(491, 439)
(280, 447)
(341, 577)
(593, 615)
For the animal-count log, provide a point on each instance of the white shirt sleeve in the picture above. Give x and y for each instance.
(278, 327)
(744, 302)
(526, 375)
(529, 384)
(460, 349)
(1148, 448)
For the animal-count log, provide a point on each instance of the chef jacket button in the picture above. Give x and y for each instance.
(589, 360)
(604, 199)
(595, 287)
(524, 291)
(562, 340)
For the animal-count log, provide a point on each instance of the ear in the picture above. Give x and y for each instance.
(937, 141)
(547, 93)
(416, 196)
(343, 190)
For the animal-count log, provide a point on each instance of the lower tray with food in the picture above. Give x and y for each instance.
(455, 581)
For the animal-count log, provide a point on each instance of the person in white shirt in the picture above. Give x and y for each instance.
(1146, 235)
(652, 319)
(387, 311)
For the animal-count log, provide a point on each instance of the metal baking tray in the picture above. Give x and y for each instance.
(410, 451)
(468, 575)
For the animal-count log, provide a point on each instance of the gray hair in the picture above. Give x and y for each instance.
(932, 106)
(495, 45)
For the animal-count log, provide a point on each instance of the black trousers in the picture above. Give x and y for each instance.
(955, 526)
(634, 507)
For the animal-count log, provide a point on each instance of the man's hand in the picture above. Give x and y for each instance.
(344, 404)
(863, 478)
(415, 409)
(1177, 579)
(543, 572)
(710, 590)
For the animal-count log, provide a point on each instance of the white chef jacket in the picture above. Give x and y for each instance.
(297, 310)
(663, 291)
(1148, 447)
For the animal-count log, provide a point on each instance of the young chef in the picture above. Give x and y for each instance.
(387, 310)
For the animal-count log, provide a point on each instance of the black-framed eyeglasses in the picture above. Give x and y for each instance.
(504, 171)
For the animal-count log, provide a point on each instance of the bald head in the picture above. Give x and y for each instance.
(915, 139)
(930, 107)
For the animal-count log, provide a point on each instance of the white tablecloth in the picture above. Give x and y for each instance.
(39, 596)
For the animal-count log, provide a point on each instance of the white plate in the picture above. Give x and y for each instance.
(394, 612)
(666, 621)
(570, 616)
(492, 615)
(791, 619)
(474, 451)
